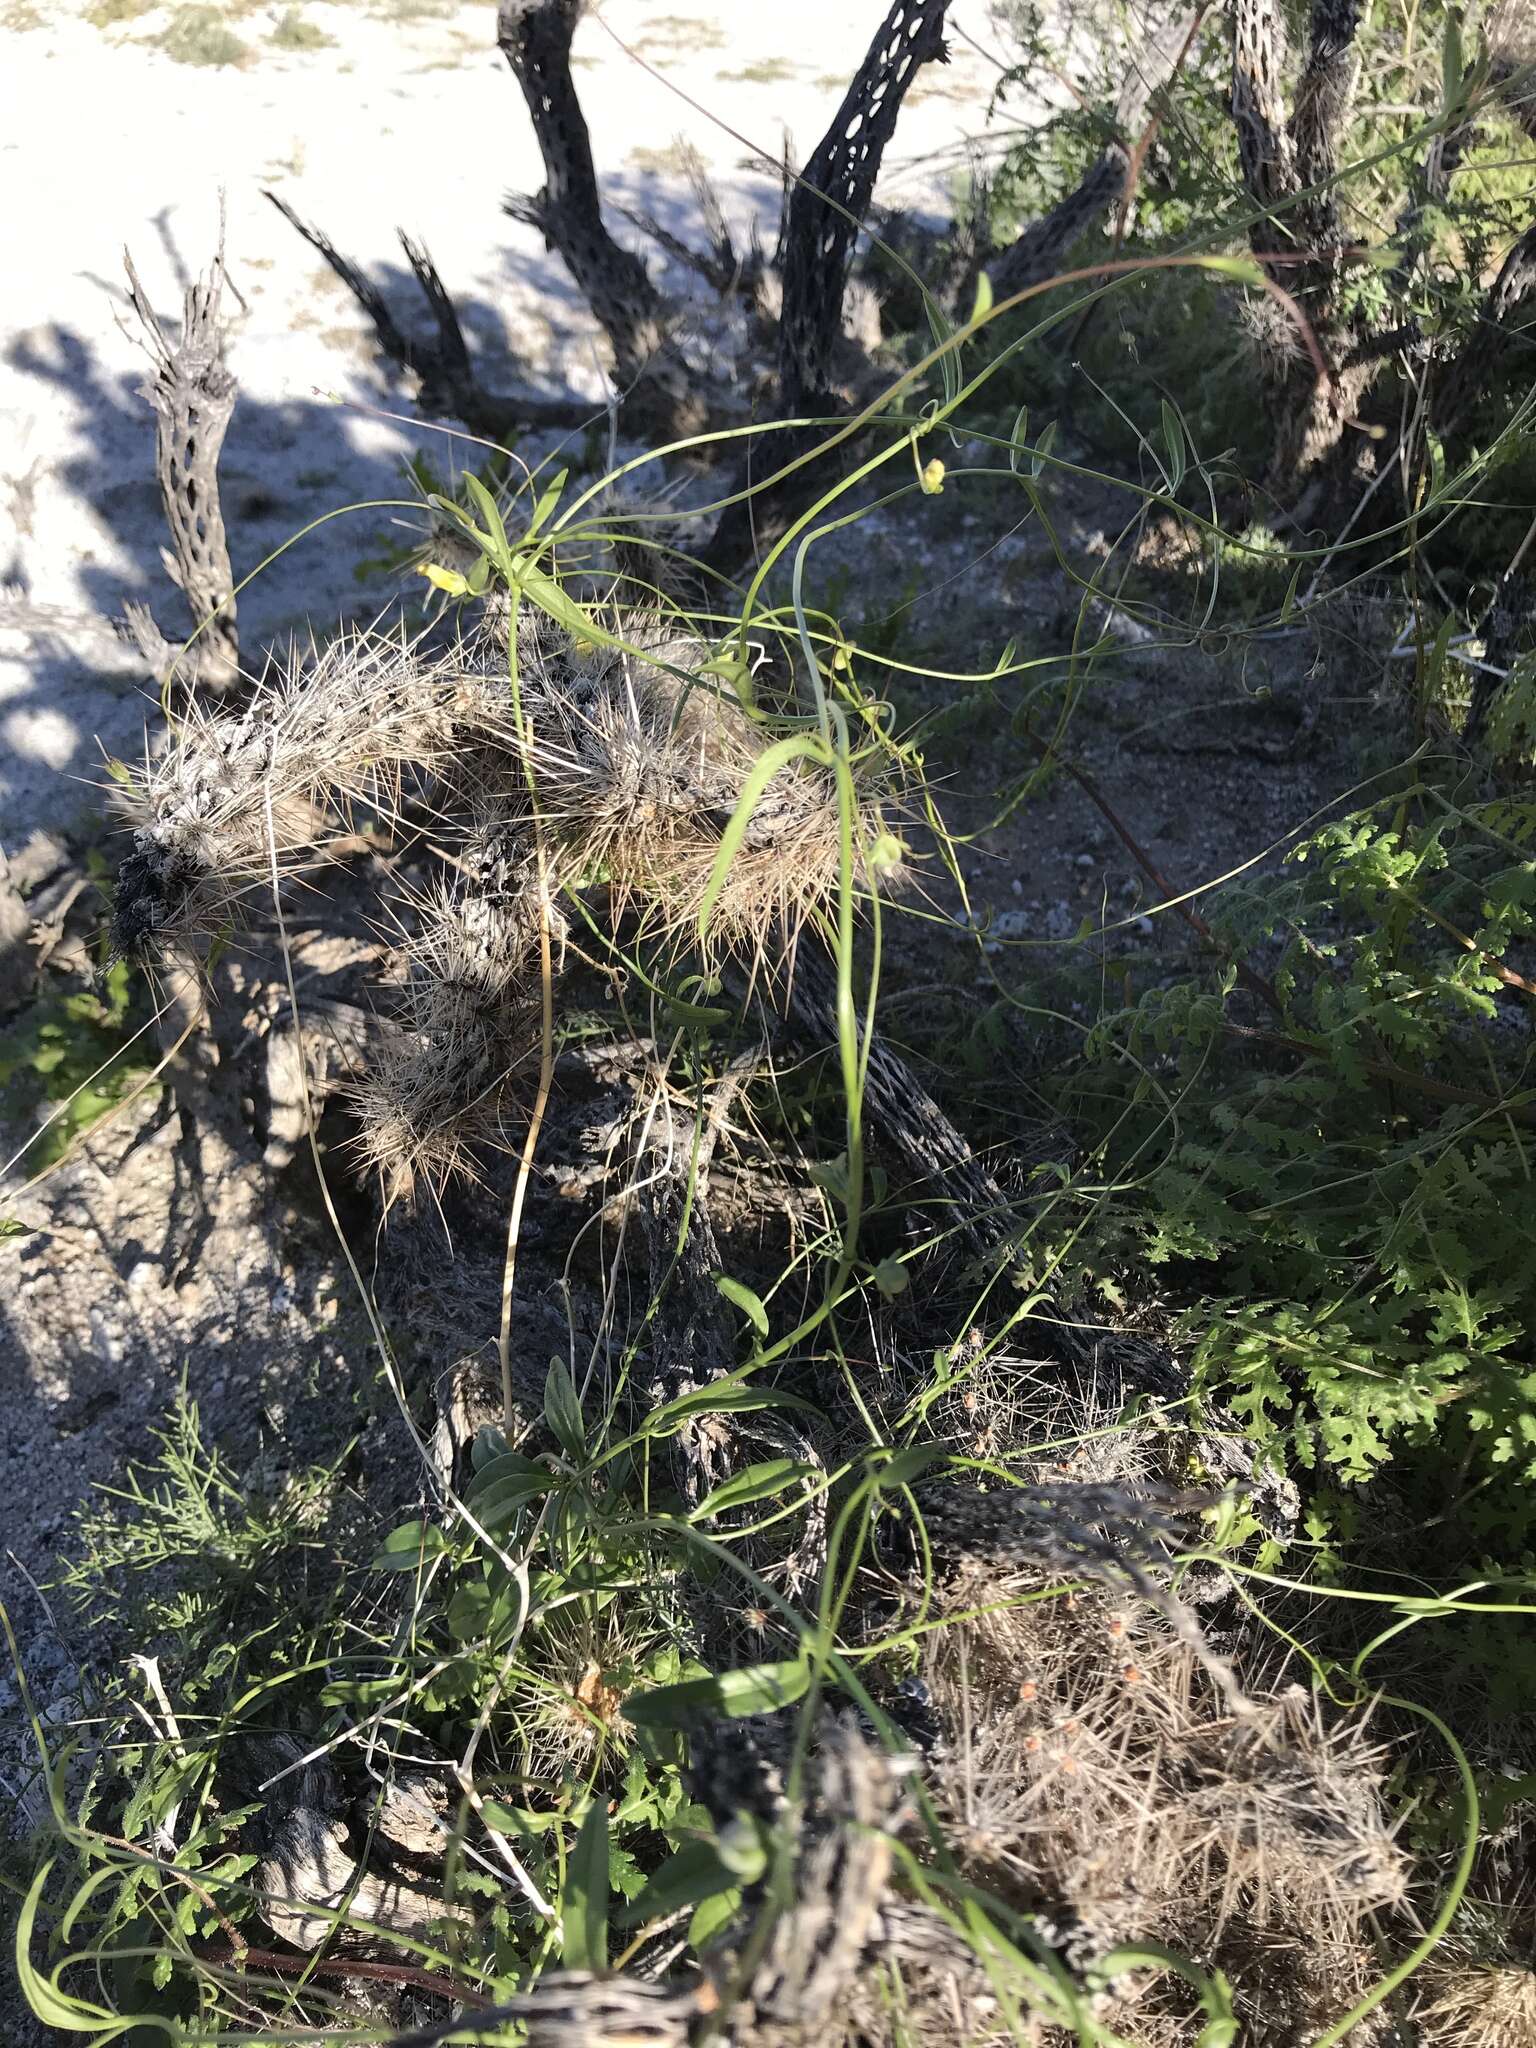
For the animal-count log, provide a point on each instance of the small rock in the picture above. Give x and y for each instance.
(105, 1341)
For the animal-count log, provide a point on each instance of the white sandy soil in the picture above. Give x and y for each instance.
(406, 116)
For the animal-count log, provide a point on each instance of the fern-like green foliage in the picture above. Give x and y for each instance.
(71, 1057)
(186, 1556)
(1343, 1178)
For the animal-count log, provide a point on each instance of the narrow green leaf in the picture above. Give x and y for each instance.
(983, 303)
(1173, 436)
(908, 1464)
(1242, 268)
(753, 1689)
(941, 330)
(1452, 61)
(55, 2008)
(757, 1482)
(357, 1692)
(749, 1303)
(548, 500)
(686, 1013)
(452, 509)
(1019, 436)
(722, 1397)
(551, 597)
(1436, 465)
(584, 1906)
(521, 1821)
(1213, 1992)
(562, 1410)
(490, 512)
(769, 763)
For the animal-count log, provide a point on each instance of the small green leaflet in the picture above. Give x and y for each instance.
(712, 1916)
(743, 1298)
(753, 1689)
(757, 1482)
(409, 1546)
(890, 1276)
(489, 1443)
(478, 1611)
(501, 1487)
(694, 1872)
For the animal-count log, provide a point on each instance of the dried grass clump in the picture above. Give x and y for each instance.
(1292, 1813)
(922, 1986)
(1269, 332)
(1479, 1988)
(1061, 1712)
(1285, 1993)
(232, 792)
(471, 1003)
(615, 767)
(1001, 1405)
(1489, 2005)
(1105, 1771)
(640, 763)
(637, 545)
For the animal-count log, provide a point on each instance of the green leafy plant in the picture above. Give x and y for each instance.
(186, 1547)
(71, 1057)
(663, 1653)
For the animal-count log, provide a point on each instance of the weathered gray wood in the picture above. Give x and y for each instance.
(193, 393)
(831, 196)
(448, 385)
(535, 38)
